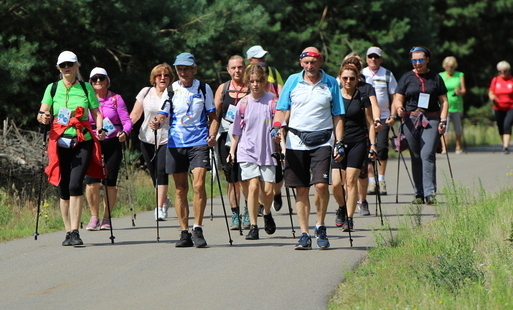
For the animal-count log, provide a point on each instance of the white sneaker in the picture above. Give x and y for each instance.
(165, 206)
(159, 214)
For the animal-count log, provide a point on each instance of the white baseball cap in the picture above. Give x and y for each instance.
(374, 50)
(256, 52)
(98, 70)
(67, 56)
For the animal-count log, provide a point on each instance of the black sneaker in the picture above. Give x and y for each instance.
(75, 238)
(66, 241)
(322, 238)
(418, 200)
(431, 200)
(304, 242)
(278, 202)
(185, 240)
(341, 216)
(348, 224)
(270, 225)
(253, 233)
(261, 210)
(197, 238)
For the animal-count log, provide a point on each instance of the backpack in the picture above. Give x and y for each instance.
(171, 93)
(244, 104)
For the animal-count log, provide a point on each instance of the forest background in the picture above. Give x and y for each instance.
(130, 37)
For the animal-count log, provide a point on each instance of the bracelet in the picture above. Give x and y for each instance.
(443, 120)
(211, 136)
(41, 112)
(377, 120)
(394, 116)
(102, 130)
(373, 144)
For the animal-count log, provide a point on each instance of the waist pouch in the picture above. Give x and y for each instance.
(67, 142)
(313, 138)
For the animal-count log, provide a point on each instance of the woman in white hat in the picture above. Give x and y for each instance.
(73, 148)
(117, 124)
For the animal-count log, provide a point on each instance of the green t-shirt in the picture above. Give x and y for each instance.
(451, 83)
(71, 99)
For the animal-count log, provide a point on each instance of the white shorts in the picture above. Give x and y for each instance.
(264, 173)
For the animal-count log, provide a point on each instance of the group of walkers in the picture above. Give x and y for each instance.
(312, 130)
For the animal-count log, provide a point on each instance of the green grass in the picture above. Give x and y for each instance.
(462, 260)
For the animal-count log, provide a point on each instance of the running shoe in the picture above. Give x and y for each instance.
(67, 240)
(245, 218)
(382, 188)
(364, 208)
(165, 206)
(75, 238)
(278, 202)
(105, 224)
(270, 225)
(371, 189)
(348, 225)
(431, 200)
(304, 242)
(253, 233)
(197, 237)
(160, 214)
(185, 240)
(341, 216)
(322, 238)
(235, 222)
(418, 200)
(94, 224)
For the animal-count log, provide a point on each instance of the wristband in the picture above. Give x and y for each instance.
(102, 130)
(373, 144)
(377, 120)
(276, 124)
(41, 112)
(393, 116)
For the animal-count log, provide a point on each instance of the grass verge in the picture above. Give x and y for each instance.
(463, 260)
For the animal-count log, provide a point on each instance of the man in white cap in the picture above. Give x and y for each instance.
(384, 83)
(193, 126)
(257, 54)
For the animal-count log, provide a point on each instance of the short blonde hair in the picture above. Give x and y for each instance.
(503, 65)
(159, 68)
(450, 61)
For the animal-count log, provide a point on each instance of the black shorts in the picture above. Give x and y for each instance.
(298, 165)
(356, 155)
(183, 159)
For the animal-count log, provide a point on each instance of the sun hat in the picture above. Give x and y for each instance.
(185, 59)
(67, 56)
(256, 52)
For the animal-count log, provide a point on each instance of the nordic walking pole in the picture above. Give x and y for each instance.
(345, 199)
(212, 195)
(155, 157)
(375, 164)
(130, 202)
(42, 172)
(447, 155)
(221, 194)
(398, 161)
(236, 203)
(107, 202)
(287, 193)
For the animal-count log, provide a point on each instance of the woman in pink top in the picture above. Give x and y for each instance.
(117, 127)
(252, 147)
(501, 93)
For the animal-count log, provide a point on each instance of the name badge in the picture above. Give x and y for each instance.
(107, 125)
(230, 114)
(63, 116)
(423, 101)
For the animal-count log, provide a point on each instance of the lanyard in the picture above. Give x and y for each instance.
(422, 82)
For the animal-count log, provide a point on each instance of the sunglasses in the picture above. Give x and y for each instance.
(101, 78)
(348, 78)
(418, 61)
(502, 71)
(163, 75)
(63, 65)
(371, 56)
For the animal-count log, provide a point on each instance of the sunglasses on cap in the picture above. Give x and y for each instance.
(375, 56)
(95, 78)
(65, 64)
(418, 61)
(348, 78)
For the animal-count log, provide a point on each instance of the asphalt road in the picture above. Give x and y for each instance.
(136, 272)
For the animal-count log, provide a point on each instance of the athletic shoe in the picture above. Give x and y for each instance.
(67, 240)
(418, 200)
(458, 152)
(159, 214)
(371, 189)
(197, 237)
(75, 238)
(253, 233)
(431, 200)
(235, 222)
(322, 239)
(245, 218)
(382, 188)
(165, 206)
(261, 210)
(105, 224)
(304, 242)
(270, 225)
(341, 216)
(364, 208)
(94, 223)
(185, 240)
(505, 150)
(348, 225)
(278, 202)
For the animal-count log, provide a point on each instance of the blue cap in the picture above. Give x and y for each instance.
(184, 59)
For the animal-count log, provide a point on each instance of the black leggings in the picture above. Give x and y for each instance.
(73, 163)
(148, 152)
(504, 121)
(112, 155)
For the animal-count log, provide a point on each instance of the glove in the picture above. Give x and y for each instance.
(339, 147)
(275, 130)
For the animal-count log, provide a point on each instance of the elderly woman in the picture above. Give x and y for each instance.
(501, 93)
(421, 102)
(117, 124)
(148, 102)
(455, 84)
(73, 148)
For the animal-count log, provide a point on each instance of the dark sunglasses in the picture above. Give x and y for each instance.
(95, 78)
(163, 75)
(350, 78)
(502, 71)
(374, 56)
(63, 65)
(418, 61)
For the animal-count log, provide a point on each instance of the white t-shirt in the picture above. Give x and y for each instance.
(378, 80)
(151, 103)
